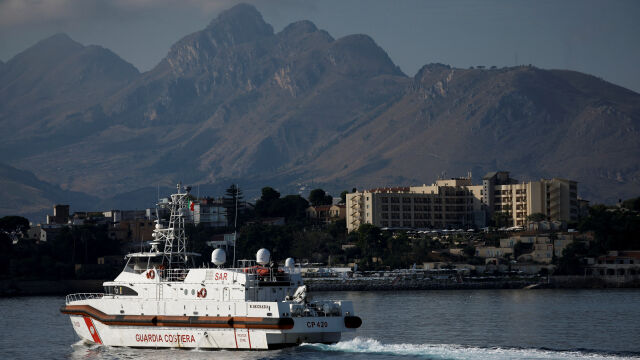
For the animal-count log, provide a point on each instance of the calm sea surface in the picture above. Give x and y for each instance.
(474, 324)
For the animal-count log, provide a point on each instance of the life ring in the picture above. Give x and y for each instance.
(202, 293)
(151, 274)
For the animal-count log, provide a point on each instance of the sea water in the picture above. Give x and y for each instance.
(454, 324)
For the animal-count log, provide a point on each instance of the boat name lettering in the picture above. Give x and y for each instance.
(314, 324)
(268, 307)
(220, 276)
(169, 338)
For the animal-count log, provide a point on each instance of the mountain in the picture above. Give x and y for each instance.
(52, 90)
(236, 102)
(535, 123)
(24, 194)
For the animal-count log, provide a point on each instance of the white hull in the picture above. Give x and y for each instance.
(94, 331)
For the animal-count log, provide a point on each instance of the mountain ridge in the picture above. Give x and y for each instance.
(238, 102)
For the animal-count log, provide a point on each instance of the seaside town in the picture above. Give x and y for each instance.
(502, 233)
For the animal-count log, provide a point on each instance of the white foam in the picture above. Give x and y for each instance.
(458, 352)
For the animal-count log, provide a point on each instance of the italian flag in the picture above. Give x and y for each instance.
(191, 205)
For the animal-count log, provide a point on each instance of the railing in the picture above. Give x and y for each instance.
(174, 274)
(317, 309)
(82, 296)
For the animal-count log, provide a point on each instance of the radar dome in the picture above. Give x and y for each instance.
(263, 256)
(289, 263)
(218, 257)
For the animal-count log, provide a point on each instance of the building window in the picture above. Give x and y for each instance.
(406, 200)
(395, 207)
(395, 200)
(385, 199)
(385, 207)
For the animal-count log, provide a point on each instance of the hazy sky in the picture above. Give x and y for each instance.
(597, 37)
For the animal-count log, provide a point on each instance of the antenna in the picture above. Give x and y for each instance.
(235, 227)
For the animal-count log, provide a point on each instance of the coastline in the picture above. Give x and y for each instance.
(395, 284)
(11, 288)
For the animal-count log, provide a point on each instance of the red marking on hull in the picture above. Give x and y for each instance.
(92, 330)
(249, 336)
(235, 337)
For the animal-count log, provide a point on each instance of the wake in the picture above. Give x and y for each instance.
(460, 352)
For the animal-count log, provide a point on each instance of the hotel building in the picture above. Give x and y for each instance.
(457, 203)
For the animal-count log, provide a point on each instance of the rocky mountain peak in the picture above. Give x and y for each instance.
(430, 69)
(195, 52)
(299, 27)
(53, 48)
(239, 24)
(60, 39)
(359, 55)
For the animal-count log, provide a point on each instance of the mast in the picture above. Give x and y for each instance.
(173, 236)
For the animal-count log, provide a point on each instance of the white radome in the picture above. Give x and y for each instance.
(218, 257)
(263, 257)
(289, 263)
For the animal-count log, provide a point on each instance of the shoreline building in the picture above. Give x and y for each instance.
(457, 203)
(447, 203)
(556, 199)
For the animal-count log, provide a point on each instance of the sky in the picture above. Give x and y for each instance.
(597, 37)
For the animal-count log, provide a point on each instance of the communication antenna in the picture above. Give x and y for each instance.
(235, 228)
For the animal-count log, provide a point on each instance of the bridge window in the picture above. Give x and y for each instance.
(120, 290)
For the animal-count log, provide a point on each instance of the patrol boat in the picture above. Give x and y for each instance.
(159, 301)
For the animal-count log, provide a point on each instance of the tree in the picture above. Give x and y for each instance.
(501, 218)
(320, 197)
(371, 242)
(570, 262)
(521, 248)
(470, 251)
(535, 217)
(13, 223)
(292, 207)
(614, 229)
(343, 197)
(233, 199)
(266, 204)
(632, 204)
(269, 194)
